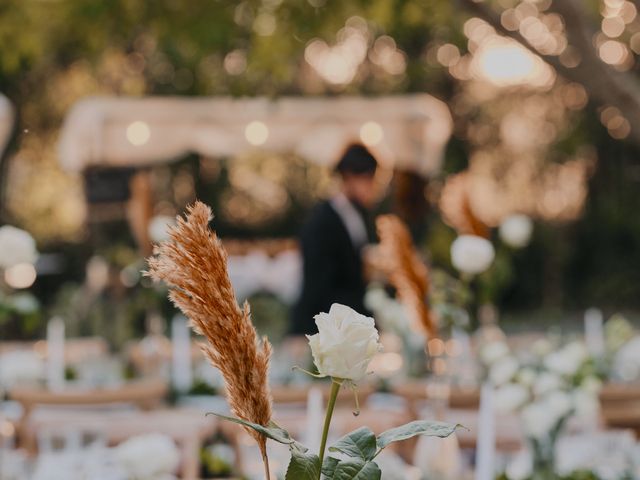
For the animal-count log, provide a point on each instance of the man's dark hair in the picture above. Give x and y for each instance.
(356, 159)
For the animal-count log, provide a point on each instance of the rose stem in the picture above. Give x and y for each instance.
(335, 388)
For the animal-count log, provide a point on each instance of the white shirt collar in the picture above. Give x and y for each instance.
(352, 220)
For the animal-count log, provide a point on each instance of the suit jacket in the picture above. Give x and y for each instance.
(332, 269)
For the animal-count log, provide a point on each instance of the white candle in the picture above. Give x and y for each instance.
(486, 444)
(594, 331)
(315, 418)
(55, 354)
(181, 354)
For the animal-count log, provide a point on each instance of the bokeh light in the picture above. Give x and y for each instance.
(256, 133)
(371, 134)
(22, 275)
(138, 133)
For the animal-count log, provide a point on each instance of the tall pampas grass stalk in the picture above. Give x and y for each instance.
(193, 263)
(406, 271)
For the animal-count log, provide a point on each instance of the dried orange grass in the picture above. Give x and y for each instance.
(193, 263)
(406, 271)
(456, 209)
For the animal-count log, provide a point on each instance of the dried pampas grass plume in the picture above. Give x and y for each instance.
(193, 263)
(406, 271)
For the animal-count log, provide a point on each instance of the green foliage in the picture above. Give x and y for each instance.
(303, 465)
(273, 431)
(360, 443)
(360, 447)
(412, 429)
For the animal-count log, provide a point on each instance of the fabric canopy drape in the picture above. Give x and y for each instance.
(408, 131)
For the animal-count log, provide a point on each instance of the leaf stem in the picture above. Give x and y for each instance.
(265, 459)
(335, 388)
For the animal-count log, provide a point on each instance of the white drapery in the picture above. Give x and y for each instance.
(408, 131)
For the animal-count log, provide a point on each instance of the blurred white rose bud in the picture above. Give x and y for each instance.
(345, 343)
(148, 456)
(493, 351)
(536, 420)
(472, 254)
(16, 247)
(503, 370)
(159, 227)
(510, 397)
(515, 230)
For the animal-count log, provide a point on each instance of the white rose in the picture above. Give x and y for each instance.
(503, 370)
(626, 363)
(515, 230)
(345, 343)
(510, 397)
(559, 404)
(586, 404)
(568, 360)
(527, 376)
(536, 421)
(591, 384)
(148, 457)
(472, 254)
(16, 247)
(493, 351)
(521, 467)
(547, 382)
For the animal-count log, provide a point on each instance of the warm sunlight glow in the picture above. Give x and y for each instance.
(505, 63)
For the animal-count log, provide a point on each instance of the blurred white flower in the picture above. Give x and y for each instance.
(547, 382)
(527, 376)
(591, 384)
(585, 404)
(559, 404)
(472, 254)
(148, 457)
(541, 347)
(510, 397)
(375, 298)
(626, 363)
(503, 370)
(493, 351)
(521, 466)
(159, 228)
(16, 246)
(567, 360)
(345, 343)
(536, 421)
(515, 230)
(20, 367)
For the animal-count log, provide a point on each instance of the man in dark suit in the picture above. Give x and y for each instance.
(332, 242)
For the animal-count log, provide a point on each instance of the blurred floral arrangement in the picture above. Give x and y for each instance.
(193, 264)
(546, 386)
(148, 457)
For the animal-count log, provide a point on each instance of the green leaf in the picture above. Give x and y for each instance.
(418, 427)
(303, 466)
(360, 443)
(329, 466)
(273, 431)
(356, 469)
